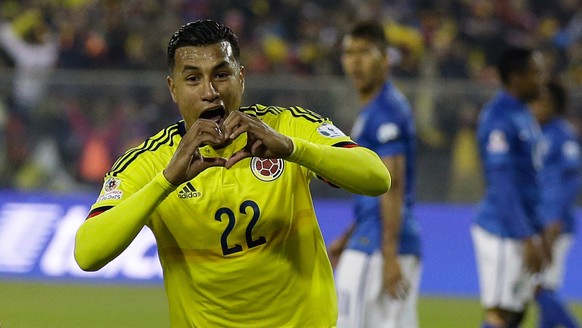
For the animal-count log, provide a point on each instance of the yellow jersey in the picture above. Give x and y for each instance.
(238, 247)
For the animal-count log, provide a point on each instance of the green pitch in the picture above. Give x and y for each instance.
(35, 305)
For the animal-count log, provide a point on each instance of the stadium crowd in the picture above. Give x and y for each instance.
(301, 37)
(457, 39)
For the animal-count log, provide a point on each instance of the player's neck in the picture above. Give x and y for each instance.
(368, 95)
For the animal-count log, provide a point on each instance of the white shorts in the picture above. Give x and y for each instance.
(553, 276)
(362, 300)
(504, 281)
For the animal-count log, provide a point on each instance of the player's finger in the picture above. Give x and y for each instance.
(203, 125)
(231, 122)
(240, 123)
(400, 289)
(214, 161)
(238, 126)
(236, 157)
(405, 286)
(238, 130)
(206, 132)
(258, 148)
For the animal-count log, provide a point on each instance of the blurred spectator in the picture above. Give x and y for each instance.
(33, 48)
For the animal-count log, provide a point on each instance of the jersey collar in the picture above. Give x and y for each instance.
(182, 128)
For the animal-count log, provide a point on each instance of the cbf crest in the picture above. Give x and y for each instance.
(111, 190)
(267, 169)
(111, 184)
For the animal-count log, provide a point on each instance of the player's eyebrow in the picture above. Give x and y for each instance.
(220, 65)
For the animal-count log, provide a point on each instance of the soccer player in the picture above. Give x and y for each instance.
(226, 193)
(506, 230)
(378, 273)
(561, 181)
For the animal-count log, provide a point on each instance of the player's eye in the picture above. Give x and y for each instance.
(222, 75)
(193, 78)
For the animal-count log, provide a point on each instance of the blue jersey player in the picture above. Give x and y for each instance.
(507, 229)
(561, 179)
(378, 258)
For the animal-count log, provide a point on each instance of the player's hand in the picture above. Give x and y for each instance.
(394, 282)
(262, 140)
(551, 233)
(187, 161)
(534, 254)
(549, 236)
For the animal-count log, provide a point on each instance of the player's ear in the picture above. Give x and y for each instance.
(170, 82)
(242, 79)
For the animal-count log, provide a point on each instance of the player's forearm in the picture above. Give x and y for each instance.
(357, 169)
(343, 240)
(391, 207)
(103, 237)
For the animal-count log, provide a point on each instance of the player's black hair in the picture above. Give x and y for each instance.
(371, 31)
(201, 33)
(513, 60)
(558, 95)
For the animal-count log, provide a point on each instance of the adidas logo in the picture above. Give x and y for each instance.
(188, 192)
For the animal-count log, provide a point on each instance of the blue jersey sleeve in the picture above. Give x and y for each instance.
(385, 134)
(561, 174)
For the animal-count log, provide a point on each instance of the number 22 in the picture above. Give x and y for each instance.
(226, 250)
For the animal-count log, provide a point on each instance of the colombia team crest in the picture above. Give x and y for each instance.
(267, 169)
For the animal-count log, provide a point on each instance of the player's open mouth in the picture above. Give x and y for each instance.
(215, 114)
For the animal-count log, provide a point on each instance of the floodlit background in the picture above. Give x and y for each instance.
(83, 80)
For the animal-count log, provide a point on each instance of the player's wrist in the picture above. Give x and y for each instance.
(295, 151)
(163, 181)
(290, 147)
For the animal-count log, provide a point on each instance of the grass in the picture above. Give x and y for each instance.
(35, 305)
(438, 312)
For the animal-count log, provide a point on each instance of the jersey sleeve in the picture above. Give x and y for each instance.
(320, 130)
(106, 234)
(120, 183)
(561, 177)
(307, 125)
(327, 152)
(386, 134)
